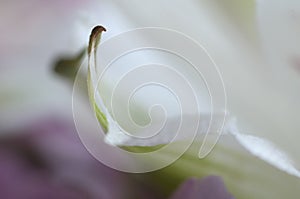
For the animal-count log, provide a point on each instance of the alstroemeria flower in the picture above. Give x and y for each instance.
(229, 34)
(249, 163)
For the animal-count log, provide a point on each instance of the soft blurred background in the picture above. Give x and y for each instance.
(41, 155)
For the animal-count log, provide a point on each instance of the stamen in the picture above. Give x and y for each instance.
(93, 43)
(95, 37)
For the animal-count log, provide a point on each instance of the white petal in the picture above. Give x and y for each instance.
(265, 150)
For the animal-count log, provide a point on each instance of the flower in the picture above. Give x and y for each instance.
(266, 108)
(248, 146)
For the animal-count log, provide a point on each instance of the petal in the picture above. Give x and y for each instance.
(211, 187)
(265, 150)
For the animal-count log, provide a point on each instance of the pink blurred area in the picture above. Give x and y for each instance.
(35, 26)
(49, 161)
(33, 35)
